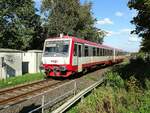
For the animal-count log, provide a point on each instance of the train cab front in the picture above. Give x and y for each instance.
(56, 57)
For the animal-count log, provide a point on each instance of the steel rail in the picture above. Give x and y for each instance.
(21, 97)
(21, 86)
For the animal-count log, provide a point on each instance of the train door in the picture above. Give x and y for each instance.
(80, 46)
(77, 57)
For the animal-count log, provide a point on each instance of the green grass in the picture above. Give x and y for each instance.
(12, 81)
(126, 90)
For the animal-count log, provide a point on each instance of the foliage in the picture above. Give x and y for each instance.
(12, 81)
(114, 80)
(123, 91)
(108, 100)
(18, 24)
(137, 70)
(141, 21)
(22, 28)
(62, 16)
(39, 36)
(85, 27)
(72, 18)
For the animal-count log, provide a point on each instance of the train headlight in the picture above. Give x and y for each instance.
(63, 68)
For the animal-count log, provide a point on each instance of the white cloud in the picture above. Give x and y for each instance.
(120, 32)
(134, 38)
(110, 33)
(105, 21)
(119, 14)
(128, 30)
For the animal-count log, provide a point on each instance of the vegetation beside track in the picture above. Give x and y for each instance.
(126, 90)
(12, 81)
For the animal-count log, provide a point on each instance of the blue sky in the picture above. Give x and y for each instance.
(113, 16)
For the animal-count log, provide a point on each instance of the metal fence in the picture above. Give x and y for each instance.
(80, 95)
(51, 99)
(71, 101)
(45, 104)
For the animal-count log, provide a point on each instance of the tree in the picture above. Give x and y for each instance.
(70, 17)
(85, 27)
(17, 23)
(39, 35)
(142, 21)
(63, 16)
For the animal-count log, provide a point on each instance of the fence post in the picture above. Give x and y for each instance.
(42, 103)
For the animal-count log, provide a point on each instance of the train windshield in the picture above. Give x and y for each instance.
(58, 48)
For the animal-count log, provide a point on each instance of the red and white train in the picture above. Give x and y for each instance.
(63, 56)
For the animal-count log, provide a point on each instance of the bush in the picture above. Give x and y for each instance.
(114, 80)
(133, 84)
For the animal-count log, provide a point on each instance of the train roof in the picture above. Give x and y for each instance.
(85, 42)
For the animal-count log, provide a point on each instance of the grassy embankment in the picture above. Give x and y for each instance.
(12, 81)
(126, 90)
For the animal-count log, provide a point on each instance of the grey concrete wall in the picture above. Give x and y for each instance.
(16, 63)
(32, 61)
(12, 65)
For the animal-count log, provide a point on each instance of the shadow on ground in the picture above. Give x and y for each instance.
(27, 109)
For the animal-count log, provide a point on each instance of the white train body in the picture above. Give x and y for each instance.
(68, 55)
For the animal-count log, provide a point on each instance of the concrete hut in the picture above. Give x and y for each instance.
(10, 63)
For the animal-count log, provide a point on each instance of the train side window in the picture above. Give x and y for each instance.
(101, 52)
(107, 52)
(86, 51)
(90, 51)
(110, 52)
(79, 51)
(116, 53)
(94, 51)
(75, 49)
(98, 51)
(104, 52)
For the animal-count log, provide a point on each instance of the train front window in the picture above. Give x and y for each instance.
(58, 48)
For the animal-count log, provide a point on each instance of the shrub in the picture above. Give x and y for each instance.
(114, 80)
(133, 84)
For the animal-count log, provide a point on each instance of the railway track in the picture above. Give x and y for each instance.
(20, 93)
